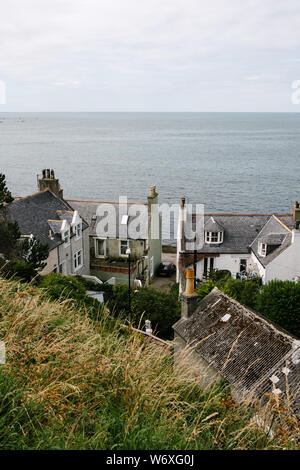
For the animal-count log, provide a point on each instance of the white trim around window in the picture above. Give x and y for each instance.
(66, 237)
(213, 237)
(78, 230)
(262, 249)
(100, 247)
(123, 246)
(78, 260)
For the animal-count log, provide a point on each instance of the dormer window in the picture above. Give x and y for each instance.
(78, 230)
(213, 237)
(213, 232)
(263, 249)
(66, 237)
(76, 225)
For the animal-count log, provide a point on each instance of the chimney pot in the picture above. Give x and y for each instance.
(153, 191)
(182, 201)
(189, 297)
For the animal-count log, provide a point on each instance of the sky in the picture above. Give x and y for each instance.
(150, 55)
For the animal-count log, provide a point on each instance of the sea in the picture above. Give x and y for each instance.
(230, 162)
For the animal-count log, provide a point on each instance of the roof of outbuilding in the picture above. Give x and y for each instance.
(38, 213)
(243, 346)
(107, 222)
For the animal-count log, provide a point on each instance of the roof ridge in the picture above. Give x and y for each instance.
(281, 223)
(29, 195)
(210, 214)
(105, 202)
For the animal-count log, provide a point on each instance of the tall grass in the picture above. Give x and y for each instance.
(74, 383)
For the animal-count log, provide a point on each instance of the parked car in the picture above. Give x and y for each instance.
(166, 269)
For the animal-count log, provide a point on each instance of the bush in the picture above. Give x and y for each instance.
(59, 286)
(245, 292)
(161, 308)
(217, 275)
(205, 289)
(280, 302)
(17, 269)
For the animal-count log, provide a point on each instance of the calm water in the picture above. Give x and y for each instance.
(231, 162)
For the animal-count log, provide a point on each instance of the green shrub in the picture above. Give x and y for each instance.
(161, 308)
(205, 289)
(245, 292)
(59, 286)
(280, 302)
(217, 275)
(18, 269)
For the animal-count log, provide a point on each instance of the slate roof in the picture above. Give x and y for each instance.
(239, 232)
(243, 346)
(107, 225)
(38, 213)
(211, 225)
(275, 234)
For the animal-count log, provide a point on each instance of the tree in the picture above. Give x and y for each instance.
(5, 195)
(9, 231)
(280, 302)
(34, 252)
(9, 236)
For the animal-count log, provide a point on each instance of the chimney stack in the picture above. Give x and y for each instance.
(48, 181)
(189, 297)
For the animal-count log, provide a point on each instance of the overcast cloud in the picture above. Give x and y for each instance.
(149, 55)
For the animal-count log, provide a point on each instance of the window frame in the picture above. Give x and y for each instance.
(75, 259)
(76, 230)
(66, 240)
(95, 246)
(263, 251)
(213, 237)
(120, 247)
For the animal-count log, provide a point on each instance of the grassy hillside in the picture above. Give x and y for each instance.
(75, 383)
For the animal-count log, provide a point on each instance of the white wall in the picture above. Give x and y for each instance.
(286, 266)
(224, 261)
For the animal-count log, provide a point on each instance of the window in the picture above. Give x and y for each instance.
(78, 230)
(124, 245)
(263, 249)
(243, 265)
(78, 259)
(66, 237)
(100, 247)
(208, 266)
(214, 237)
